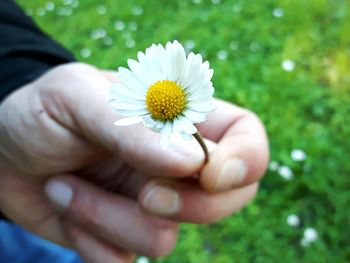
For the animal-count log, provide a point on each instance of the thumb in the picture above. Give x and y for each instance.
(79, 100)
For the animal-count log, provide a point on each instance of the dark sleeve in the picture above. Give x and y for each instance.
(25, 51)
(3, 217)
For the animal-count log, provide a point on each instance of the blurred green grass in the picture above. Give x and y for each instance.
(305, 108)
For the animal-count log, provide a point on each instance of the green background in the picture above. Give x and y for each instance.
(305, 108)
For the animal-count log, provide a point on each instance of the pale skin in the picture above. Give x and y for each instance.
(128, 193)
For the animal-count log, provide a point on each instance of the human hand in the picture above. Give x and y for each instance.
(61, 128)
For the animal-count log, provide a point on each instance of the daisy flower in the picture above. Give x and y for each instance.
(165, 91)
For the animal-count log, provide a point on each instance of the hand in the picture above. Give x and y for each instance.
(84, 180)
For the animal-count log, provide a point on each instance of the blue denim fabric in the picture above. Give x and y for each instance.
(19, 246)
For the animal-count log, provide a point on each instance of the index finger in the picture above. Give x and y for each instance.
(242, 152)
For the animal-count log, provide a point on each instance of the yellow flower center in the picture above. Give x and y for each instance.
(165, 100)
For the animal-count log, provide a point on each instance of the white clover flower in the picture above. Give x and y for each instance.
(50, 6)
(310, 235)
(75, 3)
(85, 52)
(165, 91)
(137, 10)
(288, 65)
(278, 12)
(130, 43)
(285, 172)
(101, 9)
(298, 155)
(293, 220)
(67, 2)
(222, 55)
(108, 41)
(98, 33)
(273, 166)
(119, 25)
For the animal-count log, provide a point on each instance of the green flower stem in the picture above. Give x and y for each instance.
(201, 142)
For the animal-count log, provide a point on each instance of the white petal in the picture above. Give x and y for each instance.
(130, 80)
(183, 125)
(211, 90)
(195, 117)
(205, 106)
(166, 131)
(128, 121)
(178, 60)
(197, 77)
(128, 100)
(152, 124)
(154, 57)
(159, 126)
(188, 66)
(187, 125)
(147, 63)
(205, 65)
(177, 126)
(169, 61)
(124, 112)
(157, 53)
(140, 73)
(167, 128)
(120, 91)
(186, 136)
(163, 57)
(209, 74)
(127, 106)
(142, 60)
(199, 93)
(192, 70)
(148, 121)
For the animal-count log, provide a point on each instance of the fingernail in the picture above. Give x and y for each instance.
(162, 201)
(59, 193)
(187, 148)
(232, 173)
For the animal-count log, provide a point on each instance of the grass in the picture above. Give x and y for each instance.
(306, 108)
